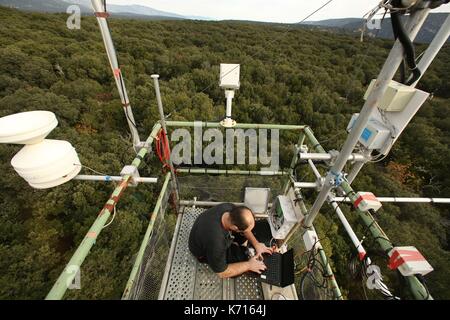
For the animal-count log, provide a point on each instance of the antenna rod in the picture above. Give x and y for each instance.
(155, 78)
(101, 14)
(386, 75)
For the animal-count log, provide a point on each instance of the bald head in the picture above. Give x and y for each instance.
(242, 217)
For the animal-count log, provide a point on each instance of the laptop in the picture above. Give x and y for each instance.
(280, 269)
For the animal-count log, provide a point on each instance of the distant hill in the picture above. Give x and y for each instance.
(354, 25)
(55, 6)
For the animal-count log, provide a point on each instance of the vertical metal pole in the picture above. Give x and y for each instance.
(386, 75)
(297, 147)
(101, 15)
(155, 78)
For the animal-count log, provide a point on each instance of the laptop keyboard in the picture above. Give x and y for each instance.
(273, 264)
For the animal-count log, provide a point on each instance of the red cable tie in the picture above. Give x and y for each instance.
(102, 14)
(117, 72)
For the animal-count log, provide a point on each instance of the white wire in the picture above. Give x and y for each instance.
(112, 219)
(93, 170)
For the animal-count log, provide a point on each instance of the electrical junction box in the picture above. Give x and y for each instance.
(229, 76)
(409, 261)
(131, 171)
(374, 135)
(282, 217)
(257, 199)
(396, 98)
(367, 201)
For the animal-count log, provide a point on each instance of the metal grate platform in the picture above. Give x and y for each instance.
(186, 279)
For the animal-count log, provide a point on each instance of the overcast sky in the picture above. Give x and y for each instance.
(288, 11)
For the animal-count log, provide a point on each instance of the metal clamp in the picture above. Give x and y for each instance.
(338, 179)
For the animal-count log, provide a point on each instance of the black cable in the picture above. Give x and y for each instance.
(410, 55)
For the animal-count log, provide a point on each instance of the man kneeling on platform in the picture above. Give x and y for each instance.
(219, 237)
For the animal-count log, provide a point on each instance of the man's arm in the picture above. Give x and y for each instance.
(259, 247)
(251, 238)
(234, 269)
(238, 268)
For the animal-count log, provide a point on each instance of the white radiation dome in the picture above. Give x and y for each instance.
(27, 127)
(47, 164)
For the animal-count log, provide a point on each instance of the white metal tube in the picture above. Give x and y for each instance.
(433, 49)
(358, 166)
(348, 228)
(401, 200)
(387, 73)
(113, 178)
(306, 185)
(229, 94)
(327, 156)
(120, 83)
(155, 78)
(314, 169)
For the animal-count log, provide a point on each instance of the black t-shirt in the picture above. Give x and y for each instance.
(208, 239)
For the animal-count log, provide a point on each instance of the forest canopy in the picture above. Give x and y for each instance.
(294, 76)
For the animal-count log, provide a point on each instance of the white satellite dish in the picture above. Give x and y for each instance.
(27, 127)
(47, 164)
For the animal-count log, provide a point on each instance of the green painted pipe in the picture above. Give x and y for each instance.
(312, 139)
(330, 275)
(144, 243)
(417, 289)
(238, 126)
(65, 279)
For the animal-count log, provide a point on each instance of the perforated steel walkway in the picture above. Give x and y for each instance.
(186, 279)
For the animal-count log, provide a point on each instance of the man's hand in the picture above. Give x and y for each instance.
(261, 248)
(256, 265)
